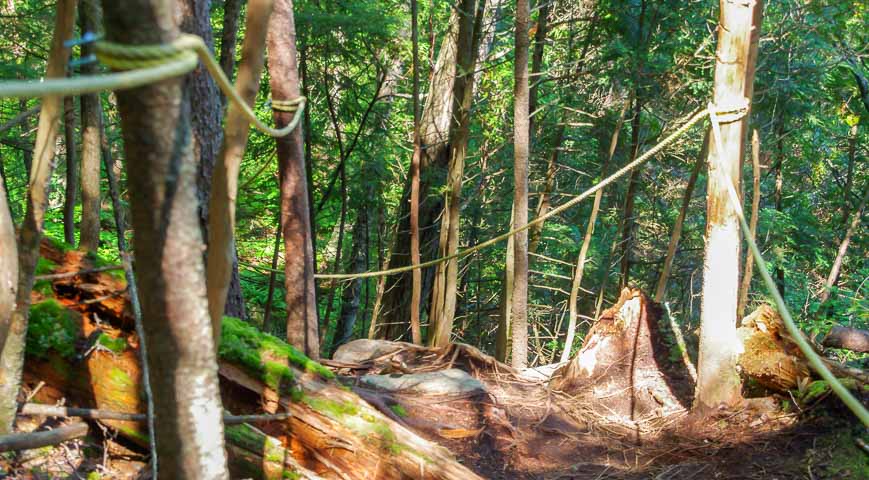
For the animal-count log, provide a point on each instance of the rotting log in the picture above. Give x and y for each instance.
(623, 364)
(848, 338)
(768, 356)
(91, 360)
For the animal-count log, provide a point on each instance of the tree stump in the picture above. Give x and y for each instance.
(623, 364)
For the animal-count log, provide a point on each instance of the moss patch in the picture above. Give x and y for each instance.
(51, 328)
(839, 455)
(398, 410)
(45, 266)
(44, 288)
(244, 344)
(115, 345)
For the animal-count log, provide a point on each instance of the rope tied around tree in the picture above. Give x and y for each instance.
(140, 65)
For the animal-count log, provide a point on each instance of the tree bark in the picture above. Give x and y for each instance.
(836, 269)
(295, 217)
(676, 234)
(221, 261)
(416, 292)
(718, 380)
(586, 241)
(848, 338)
(229, 37)
(627, 226)
(8, 264)
(352, 292)
(90, 19)
(71, 170)
(755, 212)
(14, 329)
(443, 305)
(521, 149)
(273, 276)
(162, 173)
(194, 17)
(778, 200)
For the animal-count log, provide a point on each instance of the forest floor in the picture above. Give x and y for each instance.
(506, 425)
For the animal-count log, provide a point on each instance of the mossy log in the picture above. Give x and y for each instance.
(333, 433)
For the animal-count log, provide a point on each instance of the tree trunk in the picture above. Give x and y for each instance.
(848, 338)
(194, 17)
(443, 305)
(434, 138)
(221, 261)
(229, 37)
(273, 276)
(161, 172)
(416, 292)
(676, 235)
(627, 230)
(586, 241)
(521, 126)
(777, 200)
(295, 216)
(755, 211)
(90, 19)
(836, 269)
(71, 170)
(8, 264)
(718, 380)
(352, 292)
(14, 332)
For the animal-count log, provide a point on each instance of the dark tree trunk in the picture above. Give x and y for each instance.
(352, 293)
(229, 37)
(194, 17)
(91, 115)
(161, 172)
(71, 170)
(295, 214)
(630, 196)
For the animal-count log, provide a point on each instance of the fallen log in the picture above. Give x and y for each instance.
(768, 356)
(86, 353)
(30, 440)
(848, 338)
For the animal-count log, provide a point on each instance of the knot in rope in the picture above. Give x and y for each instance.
(290, 106)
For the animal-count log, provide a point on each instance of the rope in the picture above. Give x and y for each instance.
(142, 65)
(697, 117)
(796, 334)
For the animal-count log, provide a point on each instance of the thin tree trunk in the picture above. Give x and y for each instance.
(444, 291)
(71, 170)
(273, 276)
(836, 269)
(627, 239)
(755, 211)
(161, 172)
(90, 19)
(221, 257)
(718, 380)
(14, 332)
(777, 200)
(849, 179)
(521, 148)
(8, 263)
(295, 215)
(676, 234)
(352, 293)
(416, 293)
(26, 155)
(339, 248)
(586, 241)
(229, 37)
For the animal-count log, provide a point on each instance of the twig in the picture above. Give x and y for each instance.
(37, 409)
(59, 276)
(30, 440)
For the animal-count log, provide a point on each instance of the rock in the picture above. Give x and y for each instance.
(360, 351)
(444, 382)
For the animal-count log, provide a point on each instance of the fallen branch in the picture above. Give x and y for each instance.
(848, 338)
(40, 410)
(60, 276)
(30, 440)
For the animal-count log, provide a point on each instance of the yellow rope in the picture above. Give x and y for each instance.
(141, 65)
(796, 334)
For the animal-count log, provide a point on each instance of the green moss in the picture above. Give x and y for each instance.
(44, 288)
(58, 244)
(134, 434)
(843, 458)
(291, 475)
(820, 388)
(120, 378)
(244, 344)
(45, 266)
(398, 410)
(245, 437)
(332, 409)
(51, 328)
(115, 345)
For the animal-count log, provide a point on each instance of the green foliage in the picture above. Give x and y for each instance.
(51, 328)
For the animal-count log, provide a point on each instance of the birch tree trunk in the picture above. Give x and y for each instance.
(718, 381)
(162, 177)
(13, 330)
(302, 325)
